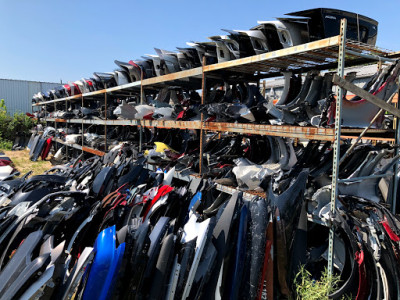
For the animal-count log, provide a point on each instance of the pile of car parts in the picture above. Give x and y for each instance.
(39, 144)
(20, 142)
(108, 227)
(7, 169)
(304, 101)
(299, 28)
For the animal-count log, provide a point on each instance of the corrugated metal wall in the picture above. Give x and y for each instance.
(17, 94)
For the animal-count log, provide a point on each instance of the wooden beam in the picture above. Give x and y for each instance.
(343, 83)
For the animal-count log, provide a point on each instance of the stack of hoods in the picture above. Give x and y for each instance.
(300, 27)
(39, 144)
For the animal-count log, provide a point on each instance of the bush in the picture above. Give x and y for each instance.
(20, 124)
(4, 121)
(12, 126)
(5, 144)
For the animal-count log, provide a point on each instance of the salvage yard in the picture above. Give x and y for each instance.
(256, 163)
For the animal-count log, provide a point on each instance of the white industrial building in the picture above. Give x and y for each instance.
(17, 94)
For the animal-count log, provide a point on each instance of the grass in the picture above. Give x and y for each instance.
(23, 164)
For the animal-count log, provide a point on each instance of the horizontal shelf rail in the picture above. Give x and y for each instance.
(82, 148)
(186, 74)
(75, 146)
(58, 100)
(309, 133)
(172, 124)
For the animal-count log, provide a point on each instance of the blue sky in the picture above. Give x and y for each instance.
(51, 40)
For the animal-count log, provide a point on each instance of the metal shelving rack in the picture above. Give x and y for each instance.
(322, 54)
(331, 53)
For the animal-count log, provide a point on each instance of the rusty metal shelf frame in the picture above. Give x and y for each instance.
(171, 124)
(82, 148)
(310, 133)
(96, 121)
(75, 146)
(170, 78)
(57, 100)
(93, 151)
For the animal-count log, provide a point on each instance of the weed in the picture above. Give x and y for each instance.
(311, 289)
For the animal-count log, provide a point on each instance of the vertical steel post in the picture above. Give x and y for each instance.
(105, 123)
(141, 103)
(67, 147)
(336, 145)
(45, 114)
(203, 96)
(83, 132)
(55, 127)
(396, 166)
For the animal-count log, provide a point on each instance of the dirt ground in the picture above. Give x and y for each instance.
(24, 165)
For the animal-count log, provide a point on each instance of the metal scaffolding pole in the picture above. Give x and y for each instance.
(55, 127)
(141, 103)
(203, 96)
(83, 132)
(336, 145)
(396, 166)
(105, 123)
(66, 109)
